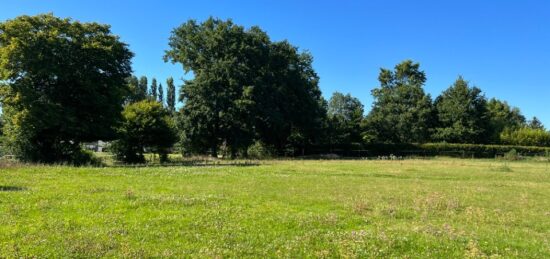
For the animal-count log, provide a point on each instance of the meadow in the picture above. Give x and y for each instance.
(439, 208)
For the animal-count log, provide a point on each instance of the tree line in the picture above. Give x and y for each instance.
(64, 82)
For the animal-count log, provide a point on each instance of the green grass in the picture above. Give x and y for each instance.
(437, 208)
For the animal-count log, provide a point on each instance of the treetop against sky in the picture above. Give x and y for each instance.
(499, 46)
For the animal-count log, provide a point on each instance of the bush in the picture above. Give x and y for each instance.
(511, 155)
(146, 125)
(526, 137)
(259, 150)
(428, 149)
(86, 157)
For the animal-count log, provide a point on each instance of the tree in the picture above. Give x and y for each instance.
(401, 112)
(63, 83)
(245, 87)
(290, 109)
(502, 116)
(461, 114)
(171, 95)
(345, 115)
(161, 94)
(535, 123)
(135, 94)
(216, 102)
(154, 87)
(146, 125)
(143, 86)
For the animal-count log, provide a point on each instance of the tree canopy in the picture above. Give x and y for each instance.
(401, 111)
(170, 94)
(461, 114)
(146, 125)
(345, 117)
(502, 116)
(244, 87)
(63, 82)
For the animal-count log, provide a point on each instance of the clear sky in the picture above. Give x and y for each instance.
(501, 46)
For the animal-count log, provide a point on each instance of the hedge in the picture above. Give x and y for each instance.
(428, 149)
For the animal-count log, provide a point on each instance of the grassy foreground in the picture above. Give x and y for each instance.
(414, 208)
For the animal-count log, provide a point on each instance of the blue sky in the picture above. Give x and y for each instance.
(503, 47)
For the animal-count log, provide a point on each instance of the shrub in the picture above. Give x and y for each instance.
(259, 150)
(511, 155)
(526, 137)
(146, 125)
(430, 149)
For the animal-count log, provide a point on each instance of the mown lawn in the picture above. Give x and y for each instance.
(437, 208)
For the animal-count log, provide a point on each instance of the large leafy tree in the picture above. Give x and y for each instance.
(402, 111)
(461, 114)
(289, 105)
(145, 125)
(171, 94)
(345, 116)
(63, 82)
(245, 87)
(503, 116)
(217, 101)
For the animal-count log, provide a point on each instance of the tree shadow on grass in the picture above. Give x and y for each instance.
(194, 163)
(6, 188)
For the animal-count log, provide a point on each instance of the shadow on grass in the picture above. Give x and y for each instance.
(5, 188)
(194, 163)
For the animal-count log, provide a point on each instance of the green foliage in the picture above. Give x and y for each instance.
(136, 93)
(461, 114)
(153, 92)
(401, 112)
(143, 86)
(146, 125)
(450, 149)
(62, 83)
(259, 150)
(161, 94)
(511, 155)
(526, 136)
(502, 116)
(170, 95)
(535, 123)
(245, 88)
(345, 115)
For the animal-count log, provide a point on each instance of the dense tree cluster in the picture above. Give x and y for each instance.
(64, 82)
(402, 112)
(245, 88)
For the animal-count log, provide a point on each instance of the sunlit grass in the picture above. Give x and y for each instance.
(347, 208)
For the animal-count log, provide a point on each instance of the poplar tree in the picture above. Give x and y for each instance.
(153, 92)
(171, 94)
(161, 94)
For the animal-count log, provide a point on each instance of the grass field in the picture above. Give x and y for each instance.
(413, 208)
